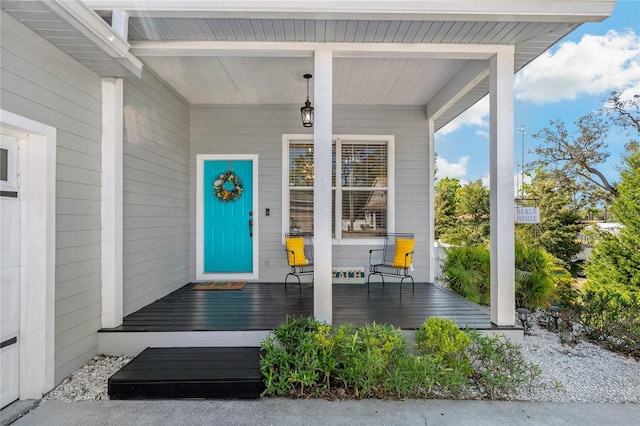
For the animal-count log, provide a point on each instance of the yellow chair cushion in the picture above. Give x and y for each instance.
(403, 246)
(295, 251)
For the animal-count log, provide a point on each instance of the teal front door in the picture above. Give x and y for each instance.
(228, 216)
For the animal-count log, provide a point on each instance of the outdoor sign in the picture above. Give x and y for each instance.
(527, 214)
(348, 275)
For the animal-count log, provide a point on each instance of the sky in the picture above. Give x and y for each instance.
(571, 79)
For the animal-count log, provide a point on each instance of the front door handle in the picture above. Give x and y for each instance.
(251, 227)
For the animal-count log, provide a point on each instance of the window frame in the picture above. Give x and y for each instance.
(288, 139)
(10, 144)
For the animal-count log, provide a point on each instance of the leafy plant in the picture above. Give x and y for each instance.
(443, 340)
(306, 358)
(500, 369)
(610, 306)
(611, 315)
(537, 276)
(466, 271)
(365, 355)
(291, 364)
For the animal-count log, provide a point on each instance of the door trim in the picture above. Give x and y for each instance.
(37, 144)
(208, 276)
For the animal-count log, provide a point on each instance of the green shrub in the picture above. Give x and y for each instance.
(611, 315)
(466, 271)
(443, 340)
(499, 368)
(291, 364)
(365, 355)
(610, 305)
(306, 358)
(538, 275)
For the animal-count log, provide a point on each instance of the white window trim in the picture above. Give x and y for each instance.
(11, 145)
(338, 139)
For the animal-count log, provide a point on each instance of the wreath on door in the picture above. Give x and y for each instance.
(227, 186)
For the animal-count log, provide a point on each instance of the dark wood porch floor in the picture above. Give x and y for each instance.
(263, 306)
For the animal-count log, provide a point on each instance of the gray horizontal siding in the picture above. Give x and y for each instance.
(226, 130)
(44, 84)
(156, 192)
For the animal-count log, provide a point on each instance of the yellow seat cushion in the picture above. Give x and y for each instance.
(295, 251)
(403, 246)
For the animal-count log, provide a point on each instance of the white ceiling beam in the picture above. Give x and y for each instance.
(459, 85)
(298, 49)
(120, 23)
(431, 10)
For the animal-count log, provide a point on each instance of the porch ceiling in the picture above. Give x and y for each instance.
(247, 52)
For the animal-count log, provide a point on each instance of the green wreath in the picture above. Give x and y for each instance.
(228, 186)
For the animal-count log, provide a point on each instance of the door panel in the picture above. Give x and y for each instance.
(228, 240)
(9, 279)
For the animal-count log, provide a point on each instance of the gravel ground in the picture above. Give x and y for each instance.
(89, 383)
(584, 373)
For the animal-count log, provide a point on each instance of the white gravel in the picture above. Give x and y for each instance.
(89, 383)
(584, 373)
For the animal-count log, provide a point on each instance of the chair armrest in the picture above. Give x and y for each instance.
(371, 253)
(405, 259)
(293, 253)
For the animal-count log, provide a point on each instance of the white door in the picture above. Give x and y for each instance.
(9, 272)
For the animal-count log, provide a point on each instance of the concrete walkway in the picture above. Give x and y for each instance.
(319, 412)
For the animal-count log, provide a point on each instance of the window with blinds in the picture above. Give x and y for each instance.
(364, 187)
(361, 172)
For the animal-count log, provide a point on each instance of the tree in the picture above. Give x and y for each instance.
(615, 260)
(610, 304)
(624, 113)
(445, 205)
(559, 224)
(575, 160)
(474, 201)
(468, 223)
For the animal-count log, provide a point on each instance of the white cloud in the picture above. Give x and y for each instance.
(476, 115)
(452, 170)
(517, 179)
(486, 181)
(596, 65)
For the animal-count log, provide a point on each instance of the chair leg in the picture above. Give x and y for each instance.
(290, 274)
(369, 278)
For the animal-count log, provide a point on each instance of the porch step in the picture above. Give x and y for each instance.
(195, 372)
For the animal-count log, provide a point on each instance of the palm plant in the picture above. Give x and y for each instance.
(467, 272)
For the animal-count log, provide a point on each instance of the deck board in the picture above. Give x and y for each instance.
(263, 306)
(201, 372)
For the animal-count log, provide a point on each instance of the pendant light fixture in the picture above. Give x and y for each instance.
(307, 110)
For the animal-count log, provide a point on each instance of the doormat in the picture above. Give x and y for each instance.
(220, 286)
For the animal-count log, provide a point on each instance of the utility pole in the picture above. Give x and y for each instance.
(522, 131)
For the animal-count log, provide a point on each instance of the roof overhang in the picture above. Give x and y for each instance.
(431, 53)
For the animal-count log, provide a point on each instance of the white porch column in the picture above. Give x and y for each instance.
(322, 133)
(112, 140)
(431, 223)
(501, 175)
